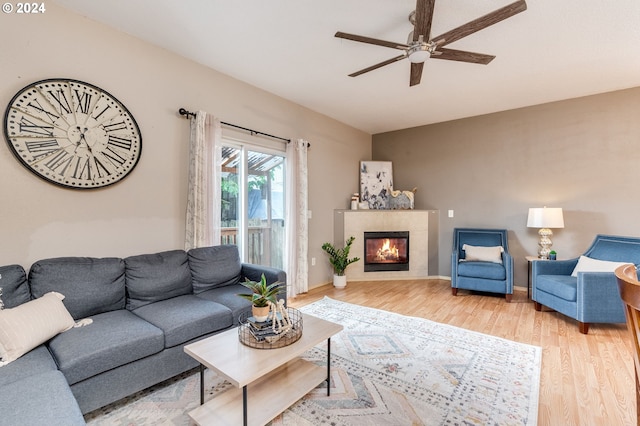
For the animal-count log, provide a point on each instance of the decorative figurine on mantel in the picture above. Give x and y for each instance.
(401, 200)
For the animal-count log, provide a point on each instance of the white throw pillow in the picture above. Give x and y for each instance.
(28, 325)
(587, 264)
(483, 254)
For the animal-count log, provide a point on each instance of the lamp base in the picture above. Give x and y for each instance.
(544, 243)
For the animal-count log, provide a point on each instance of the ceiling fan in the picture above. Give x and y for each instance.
(421, 46)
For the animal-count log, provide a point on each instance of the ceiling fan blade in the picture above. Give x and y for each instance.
(416, 73)
(462, 56)
(369, 40)
(376, 66)
(480, 23)
(424, 16)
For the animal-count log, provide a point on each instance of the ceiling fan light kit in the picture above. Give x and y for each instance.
(419, 54)
(418, 50)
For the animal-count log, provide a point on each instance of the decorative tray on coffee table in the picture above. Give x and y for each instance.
(270, 335)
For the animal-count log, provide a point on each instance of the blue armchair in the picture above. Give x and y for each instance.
(588, 296)
(478, 263)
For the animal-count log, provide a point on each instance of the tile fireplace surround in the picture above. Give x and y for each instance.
(423, 236)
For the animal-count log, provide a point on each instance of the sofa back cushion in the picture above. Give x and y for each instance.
(215, 266)
(90, 285)
(154, 277)
(13, 282)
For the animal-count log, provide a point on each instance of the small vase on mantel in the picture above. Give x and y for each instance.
(339, 281)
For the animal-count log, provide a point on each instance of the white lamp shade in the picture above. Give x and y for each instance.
(545, 217)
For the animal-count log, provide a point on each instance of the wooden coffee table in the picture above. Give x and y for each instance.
(267, 381)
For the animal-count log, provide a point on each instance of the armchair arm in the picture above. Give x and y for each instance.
(507, 261)
(552, 267)
(549, 267)
(598, 298)
(454, 268)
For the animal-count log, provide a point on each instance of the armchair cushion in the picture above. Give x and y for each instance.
(488, 270)
(483, 254)
(562, 286)
(587, 264)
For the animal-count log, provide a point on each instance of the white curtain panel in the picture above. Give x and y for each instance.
(203, 197)
(298, 227)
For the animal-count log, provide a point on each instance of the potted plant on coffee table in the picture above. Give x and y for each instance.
(261, 294)
(339, 259)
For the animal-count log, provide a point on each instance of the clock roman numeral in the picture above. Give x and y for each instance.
(60, 97)
(61, 161)
(118, 142)
(90, 168)
(114, 156)
(115, 126)
(102, 112)
(82, 169)
(35, 104)
(84, 101)
(40, 146)
(31, 127)
(100, 168)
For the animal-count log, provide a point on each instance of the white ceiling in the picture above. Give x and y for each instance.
(556, 49)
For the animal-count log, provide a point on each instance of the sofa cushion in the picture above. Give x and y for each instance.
(562, 286)
(113, 339)
(90, 285)
(155, 277)
(15, 289)
(215, 266)
(34, 362)
(227, 296)
(29, 325)
(41, 399)
(488, 270)
(587, 264)
(185, 317)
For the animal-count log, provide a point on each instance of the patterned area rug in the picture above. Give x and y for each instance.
(387, 369)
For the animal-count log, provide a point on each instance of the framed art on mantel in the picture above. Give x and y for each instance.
(376, 179)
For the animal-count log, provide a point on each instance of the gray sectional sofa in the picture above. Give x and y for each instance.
(144, 309)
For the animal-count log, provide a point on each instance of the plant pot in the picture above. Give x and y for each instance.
(339, 281)
(260, 314)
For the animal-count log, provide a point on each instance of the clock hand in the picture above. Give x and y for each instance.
(82, 138)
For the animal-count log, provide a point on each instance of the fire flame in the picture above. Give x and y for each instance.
(386, 252)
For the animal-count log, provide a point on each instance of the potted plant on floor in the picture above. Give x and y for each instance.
(339, 259)
(261, 294)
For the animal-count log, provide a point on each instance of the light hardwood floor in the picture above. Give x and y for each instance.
(585, 379)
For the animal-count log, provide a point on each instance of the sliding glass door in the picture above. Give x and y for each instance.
(253, 203)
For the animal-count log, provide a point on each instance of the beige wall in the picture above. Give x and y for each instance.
(581, 155)
(145, 212)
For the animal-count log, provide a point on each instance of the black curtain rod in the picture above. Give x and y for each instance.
(189, 114)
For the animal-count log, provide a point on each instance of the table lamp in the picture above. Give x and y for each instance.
(545, 218)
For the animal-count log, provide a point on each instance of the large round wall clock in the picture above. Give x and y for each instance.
(72, 133)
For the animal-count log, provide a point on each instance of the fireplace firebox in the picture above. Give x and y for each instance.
(386, 251)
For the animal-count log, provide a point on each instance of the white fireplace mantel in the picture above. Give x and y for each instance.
(423, 239)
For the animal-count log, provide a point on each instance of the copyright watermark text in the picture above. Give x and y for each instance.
(24, 8)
